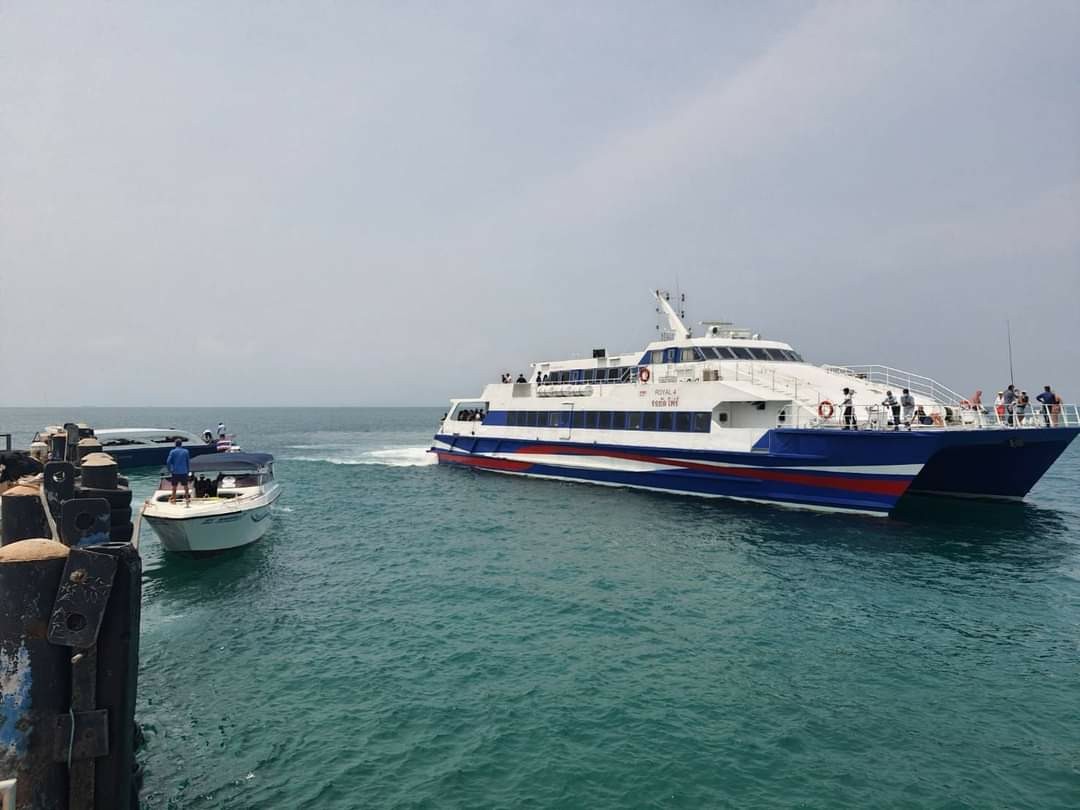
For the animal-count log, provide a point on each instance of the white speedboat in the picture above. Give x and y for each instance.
(231, 495)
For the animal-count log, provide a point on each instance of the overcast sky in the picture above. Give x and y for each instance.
(303, 203)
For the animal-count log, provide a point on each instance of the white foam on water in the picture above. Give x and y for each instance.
(387, 456)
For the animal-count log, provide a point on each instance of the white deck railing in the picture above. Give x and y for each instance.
(897, 378)
(943, 417)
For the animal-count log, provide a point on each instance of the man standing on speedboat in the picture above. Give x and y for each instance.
(179, 464)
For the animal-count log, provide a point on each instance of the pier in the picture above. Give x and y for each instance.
(71, 577)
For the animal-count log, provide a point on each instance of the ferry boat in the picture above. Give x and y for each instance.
(731, 414)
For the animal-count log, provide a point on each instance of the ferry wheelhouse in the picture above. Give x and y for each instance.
(730, 414)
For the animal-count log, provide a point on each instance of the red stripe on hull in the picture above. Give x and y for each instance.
(483, 461)
(848, 483)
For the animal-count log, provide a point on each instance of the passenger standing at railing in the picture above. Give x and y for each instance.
(1022, 402)
(894, 406)
(907, 403)
(849, 410)
(1055, 411)
(999, 407)
(1047, 398)
(1010, 405)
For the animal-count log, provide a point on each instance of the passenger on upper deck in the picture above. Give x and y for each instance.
(907, 403)
(521, 378)
(893, 406)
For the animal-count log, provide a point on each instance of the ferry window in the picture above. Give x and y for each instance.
(797, 357)
(722, 417)
(671, 355)
(682, 422)
(701, 422)
(701, 354)
(633, 420)
(727, 353)
(589, 375)
(687, 355)
(579, 419)
(633, 373)
(658, 356)
(575, 375)
(604, 420)
(541, 419)
(618, 420)
(664, 421)
(590, 419)
(648, 420)
(740, 353)
(774, 354)
(511, 418)
(532, 418)
(759, 354)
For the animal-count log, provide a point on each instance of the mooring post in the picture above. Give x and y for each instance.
(34, 674)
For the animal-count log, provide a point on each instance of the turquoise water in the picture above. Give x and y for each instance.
(415, 636)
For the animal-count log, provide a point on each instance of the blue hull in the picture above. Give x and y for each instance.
(835, 470)
(132, 457)
(993, 464)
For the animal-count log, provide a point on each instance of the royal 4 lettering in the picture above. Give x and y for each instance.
(665, 398)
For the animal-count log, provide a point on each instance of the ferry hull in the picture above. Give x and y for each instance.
(999, 464)
(857, 471)
(840, 481)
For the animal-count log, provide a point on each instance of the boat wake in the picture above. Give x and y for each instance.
(387, 457)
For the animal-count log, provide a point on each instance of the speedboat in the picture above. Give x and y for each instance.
(142, 447)
(730, 414)
(229, 504)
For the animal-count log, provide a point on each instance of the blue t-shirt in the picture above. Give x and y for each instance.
(1046, 397)
(178, 461)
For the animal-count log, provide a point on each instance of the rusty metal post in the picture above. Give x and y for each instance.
(34, 674)
(22, 515)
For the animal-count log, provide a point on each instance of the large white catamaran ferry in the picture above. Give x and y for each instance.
(729, 414)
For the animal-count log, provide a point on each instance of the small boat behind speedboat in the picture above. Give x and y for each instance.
(231, 495)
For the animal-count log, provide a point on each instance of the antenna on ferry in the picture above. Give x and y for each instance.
(1008, 331)
(675, 324)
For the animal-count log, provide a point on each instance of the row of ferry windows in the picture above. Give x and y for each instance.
(679, 421)
(625, 374)
(692, 353)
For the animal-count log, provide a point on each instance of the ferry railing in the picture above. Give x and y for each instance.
(896, 378)
(939, 416)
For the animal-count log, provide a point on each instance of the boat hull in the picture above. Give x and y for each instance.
(856, 471)
(128, 458)
(213, 533)
(848, 472)
(994, 464)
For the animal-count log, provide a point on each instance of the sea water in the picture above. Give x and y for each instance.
(409, 635)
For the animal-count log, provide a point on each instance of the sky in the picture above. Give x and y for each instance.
(393, 203)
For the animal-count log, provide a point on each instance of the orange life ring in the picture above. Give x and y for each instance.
(643, 374)
(825, 409)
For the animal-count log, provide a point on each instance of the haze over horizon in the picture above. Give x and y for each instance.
(381, 204)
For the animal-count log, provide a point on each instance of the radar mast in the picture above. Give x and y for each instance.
(676, 329)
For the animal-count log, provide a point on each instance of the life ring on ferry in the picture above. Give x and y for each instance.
(825, 409)
(643, 374)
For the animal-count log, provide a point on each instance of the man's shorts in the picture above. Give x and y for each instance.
(179, 478)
